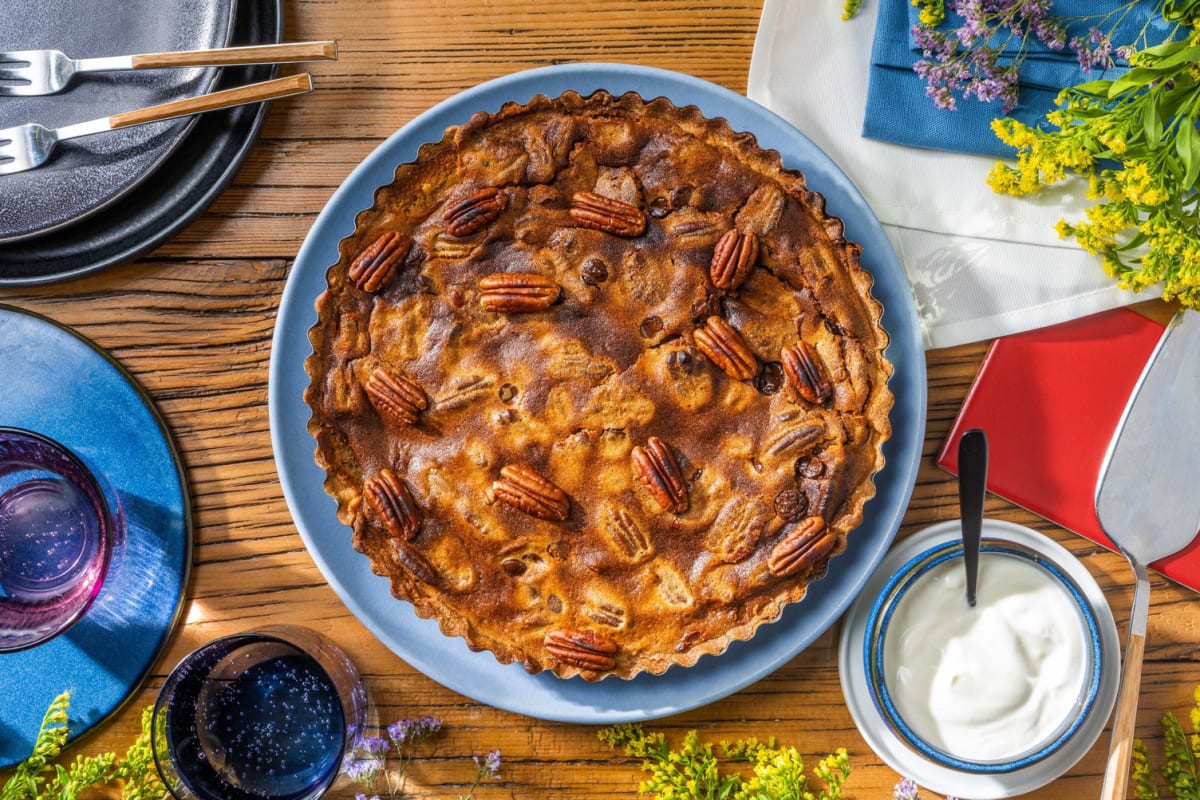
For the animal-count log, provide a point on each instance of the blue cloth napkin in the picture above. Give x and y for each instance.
(899, 111)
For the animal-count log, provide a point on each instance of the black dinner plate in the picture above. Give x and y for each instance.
(179, 190)
(85, 175)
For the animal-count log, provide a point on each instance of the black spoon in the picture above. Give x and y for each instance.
(972, 484)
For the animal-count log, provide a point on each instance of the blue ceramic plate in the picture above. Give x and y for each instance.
(478, 675)
(62, 386)
(86, 174)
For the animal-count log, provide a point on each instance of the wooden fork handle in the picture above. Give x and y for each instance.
(255, 54)
(227, 98)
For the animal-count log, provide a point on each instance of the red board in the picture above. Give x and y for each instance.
(1049, 401)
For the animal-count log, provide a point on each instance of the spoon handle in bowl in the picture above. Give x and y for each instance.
(972, 485)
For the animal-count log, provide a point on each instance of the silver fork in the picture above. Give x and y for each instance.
(37, 72)
(27, 146)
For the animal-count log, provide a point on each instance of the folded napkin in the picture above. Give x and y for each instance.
(898, 109)
(980, 264)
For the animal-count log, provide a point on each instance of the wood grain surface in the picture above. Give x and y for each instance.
(193, 321)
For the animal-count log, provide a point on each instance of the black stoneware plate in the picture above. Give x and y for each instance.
(179, 190)
(89, 173)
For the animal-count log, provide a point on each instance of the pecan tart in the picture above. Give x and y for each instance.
(598, 385)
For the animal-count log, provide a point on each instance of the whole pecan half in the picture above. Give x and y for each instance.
(726, 348)
(586, 650)
(395, 396)
(377, 263)
(655, 466)
(733, 259)
(527, 491)
(415, 563)
(802, 547)
(472, 212)
(393, 504)
(602, 213)
(518, 292)
(806, 372)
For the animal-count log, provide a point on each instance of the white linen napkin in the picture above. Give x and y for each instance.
(980, 264)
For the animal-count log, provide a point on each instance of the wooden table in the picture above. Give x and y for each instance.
(193, 322)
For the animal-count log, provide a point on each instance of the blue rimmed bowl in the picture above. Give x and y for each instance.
(938, 774)
(882, 662)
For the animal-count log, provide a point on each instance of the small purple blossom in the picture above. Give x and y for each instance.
(1094, 51)
(489, 767)
(966, 62)
(906, 789)
(361, 770)
(413, 730)
(932, 43)
(374, 745)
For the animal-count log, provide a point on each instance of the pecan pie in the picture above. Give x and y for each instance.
(598, 385)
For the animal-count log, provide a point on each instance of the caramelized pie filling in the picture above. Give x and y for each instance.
(598, 385)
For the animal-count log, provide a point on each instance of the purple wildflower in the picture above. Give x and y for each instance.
(906, 789)
(933, 44)
(974, 26)
(1050, 32)
(374, 745)
(413, 730)
(1095, 50)
(489, 767)
(361, 770)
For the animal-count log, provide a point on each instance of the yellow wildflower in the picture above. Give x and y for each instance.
(1003, 179)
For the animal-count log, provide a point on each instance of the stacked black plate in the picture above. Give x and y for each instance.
(176, 173)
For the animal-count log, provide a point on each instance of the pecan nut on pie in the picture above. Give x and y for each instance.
(598, 385)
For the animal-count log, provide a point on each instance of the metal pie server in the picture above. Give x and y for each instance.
(1147, 501)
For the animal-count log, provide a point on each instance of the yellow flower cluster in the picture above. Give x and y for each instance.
(1136, 144)
(1042, 160)
(932, 13)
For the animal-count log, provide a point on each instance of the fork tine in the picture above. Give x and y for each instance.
(8, 154)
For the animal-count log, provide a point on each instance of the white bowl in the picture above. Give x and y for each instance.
(936, 766)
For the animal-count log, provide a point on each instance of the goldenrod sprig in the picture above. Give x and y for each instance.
(1135, 140)
(1181, 751)
(32, 779)
(693, 771)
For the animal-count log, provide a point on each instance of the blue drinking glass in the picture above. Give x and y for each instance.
(262, 715)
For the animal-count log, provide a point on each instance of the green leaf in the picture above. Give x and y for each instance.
(1180, 9)
(1098, 88)
(1187, 144)
(1162, 50)
(1170, 102)
(1134, 79)
(1136, 241)
(1152, 121)
(1179, 58)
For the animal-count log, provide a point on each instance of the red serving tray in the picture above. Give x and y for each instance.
(1049, 401)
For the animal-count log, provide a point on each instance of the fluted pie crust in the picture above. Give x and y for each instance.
(598, 385)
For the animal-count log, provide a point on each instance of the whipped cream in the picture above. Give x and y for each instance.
(992, 682)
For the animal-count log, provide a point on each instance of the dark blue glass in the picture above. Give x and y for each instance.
(251, 717)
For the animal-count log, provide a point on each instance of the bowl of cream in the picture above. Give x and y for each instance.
(992, 688)
(988, 702)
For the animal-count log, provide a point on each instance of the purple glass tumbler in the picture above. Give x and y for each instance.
(57, 534)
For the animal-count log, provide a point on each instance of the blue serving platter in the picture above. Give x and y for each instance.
(479, 675)
(63, 386)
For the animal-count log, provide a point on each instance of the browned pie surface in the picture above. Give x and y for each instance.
(564, 428)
